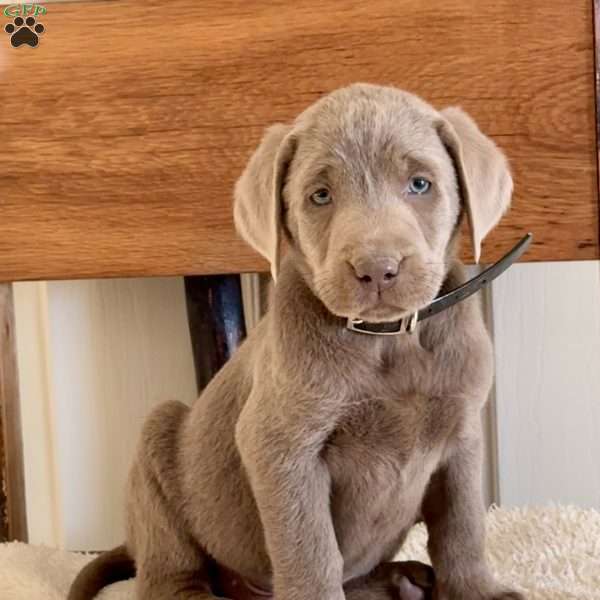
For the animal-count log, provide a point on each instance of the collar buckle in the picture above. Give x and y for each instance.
(400, 327)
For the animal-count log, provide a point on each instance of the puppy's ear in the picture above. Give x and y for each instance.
(258, 206)
(483, 174)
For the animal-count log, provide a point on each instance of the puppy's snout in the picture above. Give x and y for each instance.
(376, 273)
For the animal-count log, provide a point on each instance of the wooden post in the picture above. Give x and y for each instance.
(596, 13)
(13, 524)
(216, 319)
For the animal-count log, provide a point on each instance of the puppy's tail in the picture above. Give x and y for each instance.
(109, 567)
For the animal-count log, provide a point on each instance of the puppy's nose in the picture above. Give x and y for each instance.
(376, 273)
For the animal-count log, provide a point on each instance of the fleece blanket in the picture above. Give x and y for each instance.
(550, 553)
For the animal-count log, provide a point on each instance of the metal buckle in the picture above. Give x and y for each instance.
(406, 325)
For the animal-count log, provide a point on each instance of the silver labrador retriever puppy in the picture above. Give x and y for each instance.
(299, 471)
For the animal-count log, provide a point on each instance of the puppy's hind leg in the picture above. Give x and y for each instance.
(170, 563)
(394, 581)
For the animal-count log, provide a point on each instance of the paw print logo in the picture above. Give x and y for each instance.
(24, 31)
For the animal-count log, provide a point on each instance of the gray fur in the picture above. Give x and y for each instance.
(311, 454)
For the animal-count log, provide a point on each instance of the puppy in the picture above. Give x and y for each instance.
(299, 471)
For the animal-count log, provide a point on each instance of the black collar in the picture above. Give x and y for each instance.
(409, 324)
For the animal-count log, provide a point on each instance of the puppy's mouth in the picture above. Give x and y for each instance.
(345, 297)
(381, 312)
(381, 306)
(372, 310)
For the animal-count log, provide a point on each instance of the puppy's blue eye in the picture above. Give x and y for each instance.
(419, 185)
(321, 197)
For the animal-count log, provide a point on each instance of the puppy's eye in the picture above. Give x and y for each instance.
(419, 185)
(321, 197)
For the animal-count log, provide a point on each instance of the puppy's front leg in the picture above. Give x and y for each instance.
(291, 486)
(455, 517)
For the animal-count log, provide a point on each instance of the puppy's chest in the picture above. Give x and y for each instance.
(400, 427)
(392, 433)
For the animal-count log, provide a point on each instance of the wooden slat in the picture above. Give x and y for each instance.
(3, 494)
(123, 132)
(12, 476)
(597, 65)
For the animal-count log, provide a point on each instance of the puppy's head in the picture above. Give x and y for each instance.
(368, 186)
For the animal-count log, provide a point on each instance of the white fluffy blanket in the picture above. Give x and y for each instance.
(549, 553)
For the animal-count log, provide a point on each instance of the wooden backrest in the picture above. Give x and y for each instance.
(122, 133)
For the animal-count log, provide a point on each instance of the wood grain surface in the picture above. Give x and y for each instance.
(597, 74)
(12, 477)
(123, 132)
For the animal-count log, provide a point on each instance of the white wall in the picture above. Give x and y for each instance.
(94, 357)
(547, 338)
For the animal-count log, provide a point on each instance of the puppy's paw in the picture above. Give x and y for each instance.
(412, 580)
(407, 590)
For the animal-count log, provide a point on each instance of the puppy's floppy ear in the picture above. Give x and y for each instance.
(483, 174)
(258, 206)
